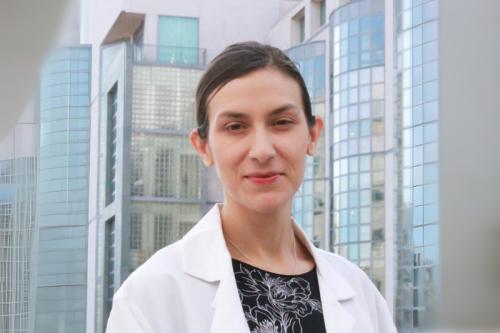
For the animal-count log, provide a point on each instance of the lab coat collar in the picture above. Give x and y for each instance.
(205, 256)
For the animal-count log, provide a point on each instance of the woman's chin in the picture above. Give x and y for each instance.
(267, 204)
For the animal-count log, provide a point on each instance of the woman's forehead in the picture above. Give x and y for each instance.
(264, 89)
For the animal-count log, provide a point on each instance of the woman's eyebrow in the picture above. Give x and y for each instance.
(241, 115)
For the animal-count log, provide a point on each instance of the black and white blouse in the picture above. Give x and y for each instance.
(275, 303)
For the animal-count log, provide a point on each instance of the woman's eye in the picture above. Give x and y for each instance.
(234, 127)
(283, 122)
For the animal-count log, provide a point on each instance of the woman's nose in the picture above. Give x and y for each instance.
(262, 147)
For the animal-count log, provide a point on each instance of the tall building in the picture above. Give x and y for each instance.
(18, 176)
(60, 260)
(418, 205)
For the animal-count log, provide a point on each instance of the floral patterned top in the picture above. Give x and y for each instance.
(275, 303)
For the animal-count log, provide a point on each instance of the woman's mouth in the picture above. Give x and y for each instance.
(264, 179)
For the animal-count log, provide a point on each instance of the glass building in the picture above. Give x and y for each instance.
(151, 181)
(417, 89)
(357, 69)
(17, 223)
(309, 203)
(60, 263)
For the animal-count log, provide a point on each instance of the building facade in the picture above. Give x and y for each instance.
(18, 177)
(60, 260)
(418, 205)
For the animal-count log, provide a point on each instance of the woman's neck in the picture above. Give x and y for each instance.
(264, 237)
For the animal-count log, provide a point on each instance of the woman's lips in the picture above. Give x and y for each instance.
(264, 180)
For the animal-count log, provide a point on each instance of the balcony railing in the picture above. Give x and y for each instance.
(169, 55)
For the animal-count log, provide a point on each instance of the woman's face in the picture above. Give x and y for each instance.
(258, 138)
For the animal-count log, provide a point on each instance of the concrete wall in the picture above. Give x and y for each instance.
(469, 157)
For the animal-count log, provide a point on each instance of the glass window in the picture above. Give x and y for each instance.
(431, 255)
(353, 215)
(178, 39)
(364, 145)
(378, 74)
(417, 35)
(418, 236)
(418, 175)
(417, 15)
(430, 132)
(417, 75)
(418, 195)
(418, 155)
(431, 152)
(364, 128)
(365, 215)
(365, 233)
(365, 163)
(417, 55)
(430, 51)
(418, 213)
(430, 193)
(353, 234)
(364, 76)
(365, 197)
(353, 27)
(429, 31)
(343, 235)
(353, 182)
(364, 179)
(430, 91)
(430, 213)
(364, 110)
(364, 93)
(430, 173)
(430, 111)
(353, 112)
(418, 135)
(353, 199)
(429, 11)
(353, 165)
(417, 115)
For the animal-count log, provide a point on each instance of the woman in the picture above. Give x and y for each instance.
(246, 266)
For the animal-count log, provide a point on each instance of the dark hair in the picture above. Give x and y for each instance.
(238, 60)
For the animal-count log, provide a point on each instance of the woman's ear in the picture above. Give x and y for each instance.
(314, 133)
(201, 147)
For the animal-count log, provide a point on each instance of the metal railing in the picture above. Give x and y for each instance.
(169, 55)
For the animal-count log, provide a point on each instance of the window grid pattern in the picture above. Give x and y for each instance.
(308, 204)
(358, 131)
(162, 231)
(17, 220)
(166, 184)
(62, 196)
(110, 246)
(157, 225)
(417, 65)
(112, 144)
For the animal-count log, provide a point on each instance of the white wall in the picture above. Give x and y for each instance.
(469, 122)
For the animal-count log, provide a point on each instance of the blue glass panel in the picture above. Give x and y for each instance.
(353, 27)
(418, 213)
(178, 39)
(430, 173)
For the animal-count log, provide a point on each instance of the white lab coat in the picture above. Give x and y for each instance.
(189, 287)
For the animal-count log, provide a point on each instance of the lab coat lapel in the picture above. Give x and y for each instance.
(334, 289)
(228, 312)
(205, 256)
